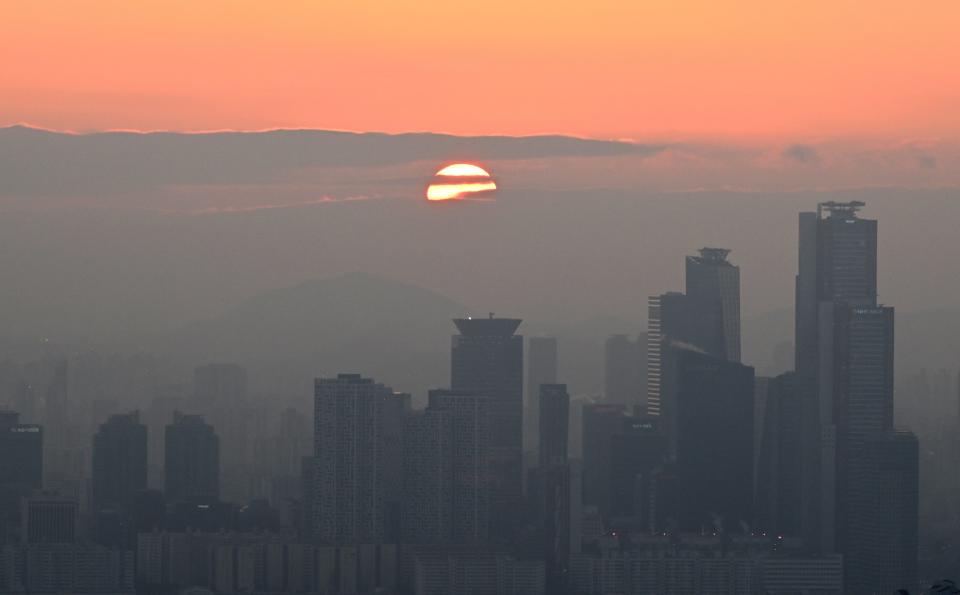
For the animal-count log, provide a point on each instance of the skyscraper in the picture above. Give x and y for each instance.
(192, 460)
(541, 369)
(708, 408)
(119, 463)
(600, 422)
(21, 467)
(487, 359)
(711, 277)
(554, 424)
(837, 273)
(779, 459)
(625, 370)
(881, 553)
(358, 426)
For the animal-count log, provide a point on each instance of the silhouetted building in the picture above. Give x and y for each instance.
(192, 460)
(711, 278)
(119, 463)
(837, 273)
(541, 369)
(47, 518)
(21, 452)
(554, 424)
(779, 458)
(708, 409)
(470, 491)
(600, 422)
(625, 370)
(881, 553)
(487, 359)
(637, 454)
(358, 426)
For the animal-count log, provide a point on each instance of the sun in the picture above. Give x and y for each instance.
(458, 181)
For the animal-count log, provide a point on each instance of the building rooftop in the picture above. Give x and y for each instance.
(487, 327)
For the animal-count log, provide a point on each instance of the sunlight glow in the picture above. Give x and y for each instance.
(463, 169)
(458, 191)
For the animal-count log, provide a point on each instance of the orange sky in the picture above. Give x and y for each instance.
(608, 68)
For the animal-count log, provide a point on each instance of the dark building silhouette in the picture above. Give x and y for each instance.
(881, 555)
(21, 468)
(487, 359)
(601, 421)
(358, 427)
(541, 369)
(708, 407)
(711, 278)
(191, 460)
(119, 463)
(47, 518)
(554, 424)
(837, 272)
(638, 453)
(779, 457)
(625, 370)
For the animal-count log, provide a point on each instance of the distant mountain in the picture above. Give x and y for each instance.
(395, 332)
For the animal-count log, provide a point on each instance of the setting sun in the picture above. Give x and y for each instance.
(458, 181)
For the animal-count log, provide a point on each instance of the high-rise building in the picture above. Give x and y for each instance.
(220, 394)
(779, 458)
(637, 453)
(192, 460)
(711, 278)
(600, 422)
(837, 275)
(487, 359)
(21, 468)
(119, 463)
(541, 369)
(466, 417)
(881, 553)
(358, 427)
(708, 409)
(554, 424)
(625, 370)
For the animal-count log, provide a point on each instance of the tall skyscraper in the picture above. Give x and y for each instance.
(625, 370)
(778, 484)
(119, 463)
(21, 467)
(837, 276)
(710, 277)
(192, 460)
(881, 553)
(427, 478)
(358, 427)
(541, 369)
(708, 408)
(600, 422)
(554, 424)
(487, 359)
(637, 453)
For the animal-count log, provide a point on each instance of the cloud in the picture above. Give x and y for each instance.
(801, 154)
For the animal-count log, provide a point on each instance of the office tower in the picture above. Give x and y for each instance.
(696, 321)
(192, 460)
(358, 425)
(881, 555)
(600, 422)
(119, 463)
(487, 359)
(625, 370)
(637, 453)
(837, 277)
(47, 518)
(541, 369)
(554, 424)
(711, 278)
(21, 468)
(709, 408)
(778, 484)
